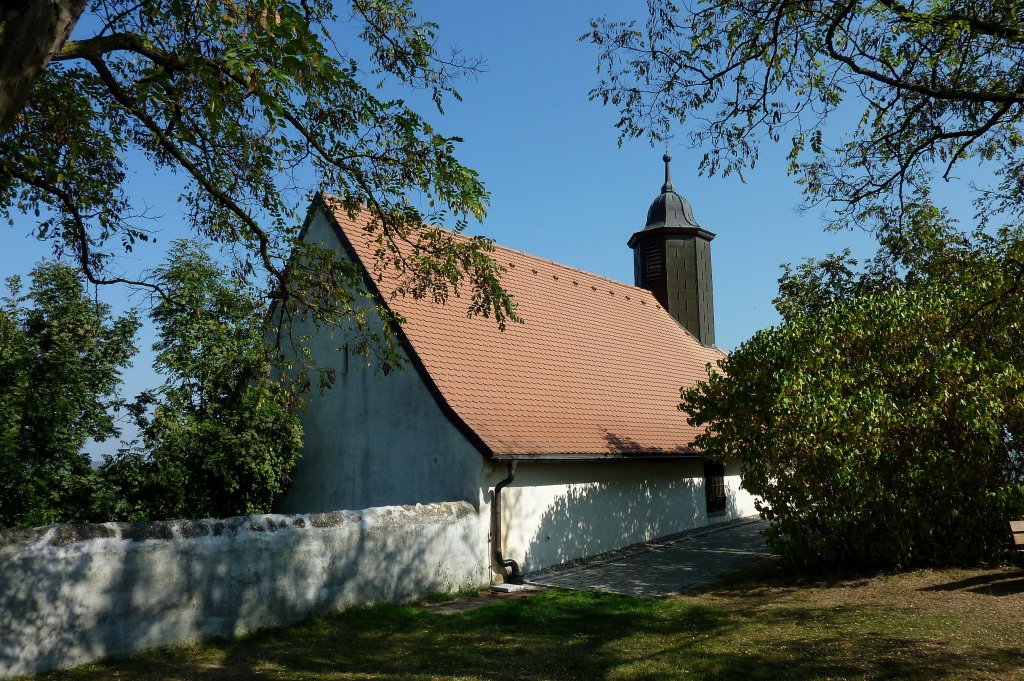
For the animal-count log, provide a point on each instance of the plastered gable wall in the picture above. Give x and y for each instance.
(556, 512)
(375, 439)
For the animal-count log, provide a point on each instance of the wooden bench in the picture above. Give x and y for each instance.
(1017, 530)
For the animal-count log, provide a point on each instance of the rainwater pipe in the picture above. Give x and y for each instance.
(512, 576)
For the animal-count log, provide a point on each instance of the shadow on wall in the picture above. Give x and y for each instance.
(78, 593)
(624, 502)
(585, 521)
(738, 503)
(590, 520)
(31, 601)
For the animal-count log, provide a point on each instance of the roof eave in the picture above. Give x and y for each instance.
(414, 359)
(597, 456)
(669, 231)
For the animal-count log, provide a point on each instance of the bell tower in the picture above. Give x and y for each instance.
(672, 259)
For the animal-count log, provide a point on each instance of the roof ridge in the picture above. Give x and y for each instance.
(630, 287)
(574, 269)
(502, 247)
(594, 377)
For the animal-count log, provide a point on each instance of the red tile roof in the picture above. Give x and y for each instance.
(594, 369)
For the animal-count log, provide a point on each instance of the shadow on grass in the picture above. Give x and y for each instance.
(1001, 584)
(862, 656)
(771, 579)
(565, 635)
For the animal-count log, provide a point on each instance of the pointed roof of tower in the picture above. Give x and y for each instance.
(669, 209)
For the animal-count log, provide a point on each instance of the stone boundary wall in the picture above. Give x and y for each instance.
(75, 593)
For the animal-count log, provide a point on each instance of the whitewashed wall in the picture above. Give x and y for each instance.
(556, 512)
(75, 593)
(374, 439)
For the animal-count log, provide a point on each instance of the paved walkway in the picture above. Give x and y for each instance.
(661, 568)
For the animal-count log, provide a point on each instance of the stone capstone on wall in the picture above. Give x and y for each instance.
(75, 593)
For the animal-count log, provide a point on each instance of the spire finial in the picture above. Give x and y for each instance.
(667, 187)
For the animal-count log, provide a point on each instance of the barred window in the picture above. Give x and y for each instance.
(714, 487)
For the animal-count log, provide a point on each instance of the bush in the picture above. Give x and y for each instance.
(881, 422)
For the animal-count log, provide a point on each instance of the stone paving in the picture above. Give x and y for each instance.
(669, 566)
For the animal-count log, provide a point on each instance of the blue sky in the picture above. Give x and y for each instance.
(561, 187)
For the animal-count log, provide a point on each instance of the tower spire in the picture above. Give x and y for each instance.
(672, 259)
(667, 187)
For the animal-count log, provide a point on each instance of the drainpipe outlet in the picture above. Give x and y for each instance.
(510, 567)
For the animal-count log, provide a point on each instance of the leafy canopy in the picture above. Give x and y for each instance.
(873, 98)
(254, 104)
(61, 356)
(882, 422)
(220, 437)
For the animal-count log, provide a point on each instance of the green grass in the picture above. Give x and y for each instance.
(766, 624)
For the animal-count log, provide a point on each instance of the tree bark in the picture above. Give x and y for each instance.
(31, 32)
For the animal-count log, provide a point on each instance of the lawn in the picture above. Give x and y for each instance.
(764, 624)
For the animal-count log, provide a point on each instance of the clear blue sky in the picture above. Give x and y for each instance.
(561, 188)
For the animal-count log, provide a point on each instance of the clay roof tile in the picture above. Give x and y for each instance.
(594, 370)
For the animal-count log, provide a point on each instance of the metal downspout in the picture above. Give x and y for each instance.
(512, 574)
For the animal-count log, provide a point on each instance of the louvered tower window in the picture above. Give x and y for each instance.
(654, 263)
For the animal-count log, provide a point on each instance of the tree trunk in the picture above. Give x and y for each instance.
(31, 31)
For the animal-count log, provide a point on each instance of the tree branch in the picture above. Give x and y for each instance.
(125, 100)
(943, 94)
(92, 48)
(82, 235)
(954, 20)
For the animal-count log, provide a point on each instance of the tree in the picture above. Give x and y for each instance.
(30, 33)
(221, 437)
(249, 101)
(61, 355)
(873, 97)
(889, 391)
(882, 422)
